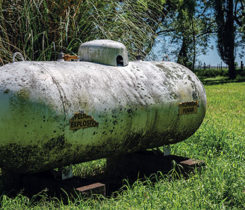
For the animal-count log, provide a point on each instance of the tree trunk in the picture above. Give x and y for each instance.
(232, 70)
(226, 33)
(182, 57)
(230, 26)
(194, 46)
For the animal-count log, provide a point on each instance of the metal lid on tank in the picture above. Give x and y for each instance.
(104, 51)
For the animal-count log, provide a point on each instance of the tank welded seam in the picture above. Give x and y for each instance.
(60, 90)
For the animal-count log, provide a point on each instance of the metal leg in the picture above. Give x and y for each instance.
(66, 172)
(166, 150)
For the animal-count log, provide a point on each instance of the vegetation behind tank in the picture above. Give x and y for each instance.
(42, 29)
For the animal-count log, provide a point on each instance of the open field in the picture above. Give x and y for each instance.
(220, 142)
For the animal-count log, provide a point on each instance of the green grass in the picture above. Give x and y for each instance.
(220, 142)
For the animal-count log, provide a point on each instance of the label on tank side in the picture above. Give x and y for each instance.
(188, 107)
(80, 120)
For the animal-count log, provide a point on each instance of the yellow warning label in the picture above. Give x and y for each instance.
(188, 107)
(81, 120)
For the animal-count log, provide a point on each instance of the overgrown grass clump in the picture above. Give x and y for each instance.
(40, 29)
(220, 142)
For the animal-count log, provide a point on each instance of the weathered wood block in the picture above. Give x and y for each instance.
(95, 188)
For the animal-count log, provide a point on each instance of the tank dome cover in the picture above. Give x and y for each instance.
(106, 52)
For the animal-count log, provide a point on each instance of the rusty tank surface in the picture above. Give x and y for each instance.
(53, 114)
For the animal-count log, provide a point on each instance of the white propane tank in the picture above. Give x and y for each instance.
(53, 114)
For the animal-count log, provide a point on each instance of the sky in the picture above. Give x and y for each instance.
(212, 56)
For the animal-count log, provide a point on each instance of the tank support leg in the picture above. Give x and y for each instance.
(66, 172)
(166, 150)
(11, 181)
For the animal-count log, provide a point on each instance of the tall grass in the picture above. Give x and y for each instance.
(40, 29)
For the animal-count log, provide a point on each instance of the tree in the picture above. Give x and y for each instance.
(185, 17)
(189, 24)
(239, 14)
(226, 33)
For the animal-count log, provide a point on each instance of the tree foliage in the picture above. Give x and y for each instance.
(239, 15)
(189, 24)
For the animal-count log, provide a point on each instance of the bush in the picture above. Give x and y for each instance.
(211, 72)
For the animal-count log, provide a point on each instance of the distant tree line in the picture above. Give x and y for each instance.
(40, 29)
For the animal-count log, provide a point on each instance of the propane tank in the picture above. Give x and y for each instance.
(53, 114)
